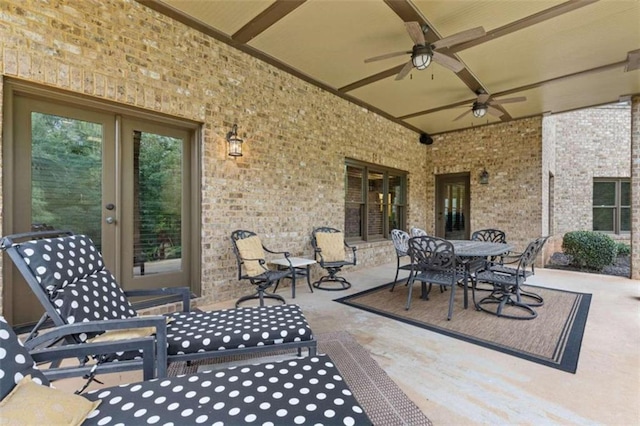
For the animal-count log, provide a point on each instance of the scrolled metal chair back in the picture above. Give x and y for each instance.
(432, 253)
(489, 235)
(529, 255)
(400, 240)
(418, 232)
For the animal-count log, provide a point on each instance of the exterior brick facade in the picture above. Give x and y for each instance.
(635, 188)
(297, 136)
(590, 143)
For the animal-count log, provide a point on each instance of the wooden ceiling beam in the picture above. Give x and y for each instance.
(271, 15)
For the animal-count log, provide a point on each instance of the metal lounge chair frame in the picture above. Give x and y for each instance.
(189, 335)
(293, 388)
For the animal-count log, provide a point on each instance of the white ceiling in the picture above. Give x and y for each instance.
(560, 55)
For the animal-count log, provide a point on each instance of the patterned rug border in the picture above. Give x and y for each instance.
(381, 398)
(564, 360)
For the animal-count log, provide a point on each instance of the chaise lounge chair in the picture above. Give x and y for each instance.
(67, 274)
(307, 390)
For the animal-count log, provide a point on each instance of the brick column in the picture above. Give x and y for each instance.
(635, 187)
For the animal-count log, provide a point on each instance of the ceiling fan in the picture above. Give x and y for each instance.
(422, 52)
(484, 104)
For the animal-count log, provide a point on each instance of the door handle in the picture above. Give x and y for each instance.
(110, 220)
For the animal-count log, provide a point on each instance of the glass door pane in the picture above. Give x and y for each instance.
(66, 175)
(157, 199)
(155, 217)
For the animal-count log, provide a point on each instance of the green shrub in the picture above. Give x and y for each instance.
(590, 250)
(623, 249)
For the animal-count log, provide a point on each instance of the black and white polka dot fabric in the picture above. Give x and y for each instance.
(15, 361)
(72, 272)
(192, 332)
(306, 391)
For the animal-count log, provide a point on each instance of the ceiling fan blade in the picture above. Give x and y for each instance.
(483, 98)
(508, 100)
(386, 56)
(494, 111)
(415, 32)
(468, 111)
(460, 37)
(404, 71)
(448, 62)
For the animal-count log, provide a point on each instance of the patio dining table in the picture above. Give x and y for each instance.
(472, 255)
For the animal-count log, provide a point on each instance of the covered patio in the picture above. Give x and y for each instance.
(289, 78)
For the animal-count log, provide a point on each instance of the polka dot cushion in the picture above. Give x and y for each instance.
(71, 270)
(57, 262)
(301, 391)
(15, 361)
(192, 332)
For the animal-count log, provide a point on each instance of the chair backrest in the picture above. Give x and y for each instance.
(489, 235)
(400, 240)
(417, 232)
(528, 256)
(329, 244)
(249, 252)
(432, 253)
(67, 274)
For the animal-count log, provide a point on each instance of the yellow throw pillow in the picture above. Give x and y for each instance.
(332, 246)
(126, 333)
(251, 248)
(32, 404)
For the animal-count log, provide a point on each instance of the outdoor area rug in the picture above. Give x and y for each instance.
(382, 400)
(552, 339)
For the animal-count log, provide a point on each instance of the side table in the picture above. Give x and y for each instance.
(302, 268)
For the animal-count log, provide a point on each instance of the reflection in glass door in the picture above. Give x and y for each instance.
(69, 151)
(452, 207)
(155, 202)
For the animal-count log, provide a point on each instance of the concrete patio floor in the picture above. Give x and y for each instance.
(458, 383)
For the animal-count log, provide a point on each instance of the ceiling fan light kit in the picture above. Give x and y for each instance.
(421, 56)
(479, 110)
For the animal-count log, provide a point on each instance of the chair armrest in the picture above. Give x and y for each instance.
(58, 333)
(147, 345)
(185, 292)
(44, 344)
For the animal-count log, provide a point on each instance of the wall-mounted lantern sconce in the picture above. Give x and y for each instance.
(235, 143)
(484, 177)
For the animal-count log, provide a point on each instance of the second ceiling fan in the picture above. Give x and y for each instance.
(423, 52)
(485, 104)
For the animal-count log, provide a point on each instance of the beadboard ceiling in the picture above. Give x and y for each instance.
(560, 55)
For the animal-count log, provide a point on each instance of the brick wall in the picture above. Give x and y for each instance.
(635, 187)
(512, 154)
(589, 143)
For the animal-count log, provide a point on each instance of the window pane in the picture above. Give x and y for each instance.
(625, 193)
(69, 151)
(395, 189)
(604, 194)
(354, 202)
(603, 219)
(625, 219)
(375, 198)
(354, 185)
